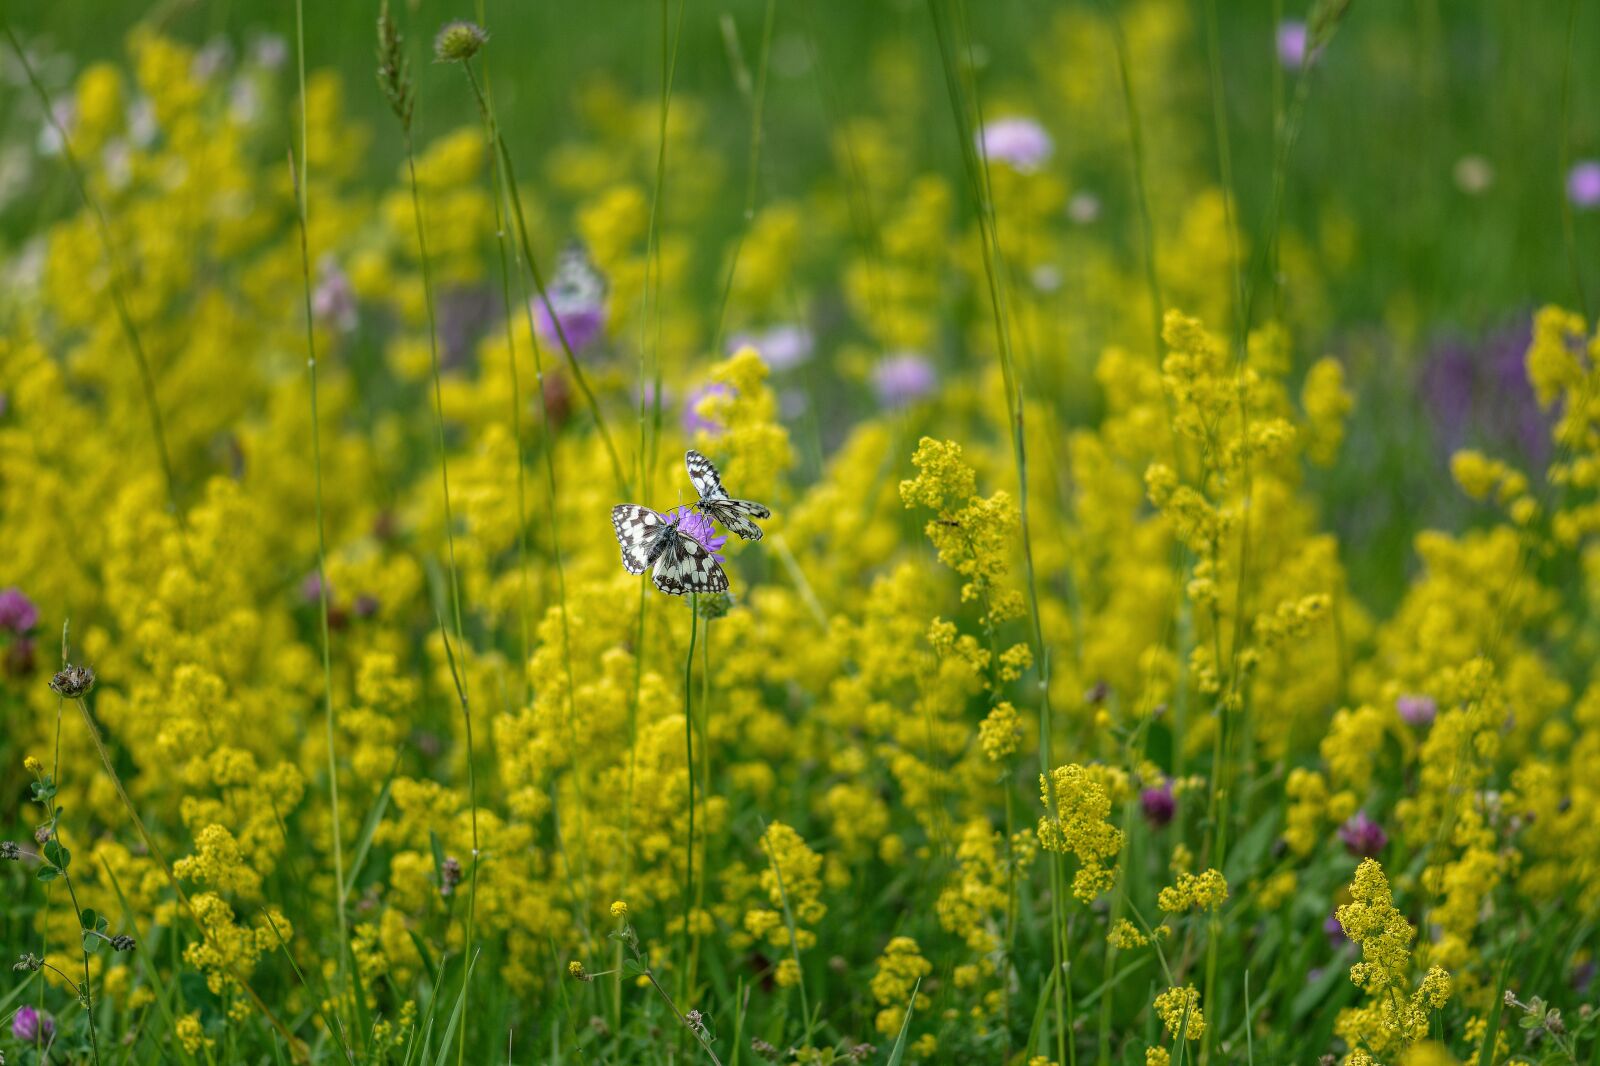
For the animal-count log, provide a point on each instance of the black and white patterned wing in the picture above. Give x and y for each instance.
(733, 513)
(684, 566)
(736, 515)
(704, 476)
(577, 284)
(639, 533)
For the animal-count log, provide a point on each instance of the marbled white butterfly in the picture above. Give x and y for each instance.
(715, 502)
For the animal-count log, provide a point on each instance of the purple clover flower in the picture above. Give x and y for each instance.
(17, 612)
(1019, 142)
(1583, 184)
(29, 1026)
(904, 378)
(1158, 804)
(1417, 711)
(1362, 837)
(693, 421)
(1294, 40)
(698, 527)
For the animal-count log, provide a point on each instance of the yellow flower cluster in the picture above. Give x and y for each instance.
(1078, 806)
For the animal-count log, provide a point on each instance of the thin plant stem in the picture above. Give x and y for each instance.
(1147, 230)
(688, 748)
(462, 689)
(1568, 231)
(302, 197)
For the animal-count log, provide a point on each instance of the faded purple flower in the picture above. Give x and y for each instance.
(1293, 40)
(1158, 804)
(311, 588)
(1583, 976)
(31, 1027)
(1083, 208)
(1020, 142)
(1362, 837)
(780, 347)
(1335, 932)
(695, 422)
(696, 526)
(581, 324)
(1417, 711)
(366, 605)
(334, 301)
(17, 612)
(903, 378)
(1583, 184)
(1476, 391)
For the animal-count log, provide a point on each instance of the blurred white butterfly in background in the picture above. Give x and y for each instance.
(735, 514)
(682, 563)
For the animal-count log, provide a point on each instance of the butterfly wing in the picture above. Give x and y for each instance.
(685, 566)
(736, 515)
(704, 476)
(639, 533)
(733, 513)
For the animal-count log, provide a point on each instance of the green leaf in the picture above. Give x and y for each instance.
(91, 941)
(1486, 1050)
(88, 918)
(58, 855)
(48, 873)
(899, 1051)
(632, 968)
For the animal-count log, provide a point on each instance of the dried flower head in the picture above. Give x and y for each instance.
(28, 962)
(9, 850)
(458, 42)
(122, 942)
(394, 71)
(449, 876)
(73, 683)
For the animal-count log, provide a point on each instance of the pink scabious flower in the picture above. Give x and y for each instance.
(334, 299)
(693, 421)
(1293, 41)
(1362, 837)
(698, 527)
(1158, 804)
(903, 378)
(1416, 711)
(580, 322)
(1021, 143)
(31, 1027)
(17, 612)
(1583, 184)
(780, 347)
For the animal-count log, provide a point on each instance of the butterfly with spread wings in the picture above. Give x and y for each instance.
(735, 514)
(682, 564)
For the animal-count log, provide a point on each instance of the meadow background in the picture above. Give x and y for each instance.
(1179, 591)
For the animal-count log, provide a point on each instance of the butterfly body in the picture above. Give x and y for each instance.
(682, 564)
(735, 514)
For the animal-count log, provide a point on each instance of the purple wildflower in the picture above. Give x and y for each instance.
(1362, 837)
(695, 422)
(1583, 977)
(780, 347)
(1294, 40)
(1020, 142)
(1417, 711)
(311, 588)
(334, 301)
(1583, 184)
(696, 526)
(1158, 804)
(17, 612)
(1335, 932)
(31, 1027)
(903, 378)
(1083, 208)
